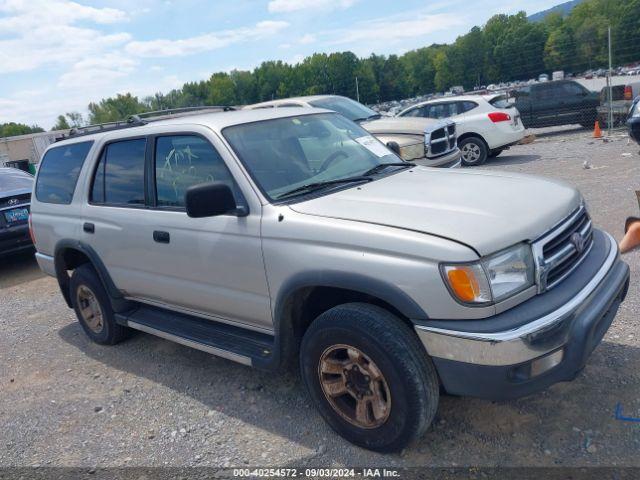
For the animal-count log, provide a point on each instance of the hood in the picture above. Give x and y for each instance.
(487, 211)
(406, 125)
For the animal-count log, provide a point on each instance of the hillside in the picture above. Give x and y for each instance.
(564, 8)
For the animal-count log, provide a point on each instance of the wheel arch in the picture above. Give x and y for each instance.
(69, 255)
(304, 297)
(466, 135)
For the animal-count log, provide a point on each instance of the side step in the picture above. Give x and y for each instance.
(227, 341)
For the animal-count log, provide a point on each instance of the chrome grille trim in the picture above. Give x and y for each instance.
(440, 139)
(563, 249)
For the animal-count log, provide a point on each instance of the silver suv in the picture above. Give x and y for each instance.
(283, 236)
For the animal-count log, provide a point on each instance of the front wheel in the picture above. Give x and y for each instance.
(369, 376)
(474, 151)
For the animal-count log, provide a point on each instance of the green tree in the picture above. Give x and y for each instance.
(12, 129)
(61, 123)
(115, 108)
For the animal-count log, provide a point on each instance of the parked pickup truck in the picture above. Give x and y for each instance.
(562, 102)
(277, 237)
(424, 141)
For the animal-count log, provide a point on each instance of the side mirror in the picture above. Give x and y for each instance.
(211, 200)
(394, 147)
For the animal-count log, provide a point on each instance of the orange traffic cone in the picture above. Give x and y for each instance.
(597, 133)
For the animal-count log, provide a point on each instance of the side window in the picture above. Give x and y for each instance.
(415, 112)
(58, 172)
(119, 178)
(572, 89)
(442, 110)
(185, 160)
(465, 106)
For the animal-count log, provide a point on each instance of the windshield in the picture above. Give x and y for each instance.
(345, 106)
(14, 180)
(283, 154)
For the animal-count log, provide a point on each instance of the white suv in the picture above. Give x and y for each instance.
(486, 125)
(291, 235)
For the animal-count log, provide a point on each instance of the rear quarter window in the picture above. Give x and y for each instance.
(58, 172)
(500, 102)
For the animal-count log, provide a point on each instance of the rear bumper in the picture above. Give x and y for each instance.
(448, 160)
(14, 239)
(506, 137)
(551, 348)
(46, 264)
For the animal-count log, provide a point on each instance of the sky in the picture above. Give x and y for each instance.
(56, 56)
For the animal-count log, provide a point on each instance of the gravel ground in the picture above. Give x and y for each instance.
(150, 402)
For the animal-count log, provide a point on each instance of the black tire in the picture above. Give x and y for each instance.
(495, 153)
(397, 353)
(84, 282)
(474, 151)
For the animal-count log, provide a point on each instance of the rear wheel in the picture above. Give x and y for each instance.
(93, 307)
(369, 376)
(474, 151)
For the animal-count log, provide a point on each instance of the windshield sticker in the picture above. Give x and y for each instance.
(374, 146)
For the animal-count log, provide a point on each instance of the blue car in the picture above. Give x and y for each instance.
(15, 200)
(633, 120)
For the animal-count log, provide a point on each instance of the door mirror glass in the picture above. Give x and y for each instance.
(211, 200)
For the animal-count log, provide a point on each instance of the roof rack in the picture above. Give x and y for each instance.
(140, 119)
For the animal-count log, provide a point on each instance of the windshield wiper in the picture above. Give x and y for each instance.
(310, 187)
(382, 166)
(374, 116)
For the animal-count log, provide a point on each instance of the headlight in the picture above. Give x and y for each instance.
(412, 152)
(493, 278)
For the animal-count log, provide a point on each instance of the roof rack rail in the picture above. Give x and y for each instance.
(140, 119)
(173, 112)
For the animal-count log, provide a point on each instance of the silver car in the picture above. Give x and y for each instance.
(277, 237)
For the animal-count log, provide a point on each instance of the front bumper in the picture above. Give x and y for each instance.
(448, 160)
(561, 328)
(14, 239)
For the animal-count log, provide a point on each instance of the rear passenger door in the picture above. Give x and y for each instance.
(546, 102)
(210, 267)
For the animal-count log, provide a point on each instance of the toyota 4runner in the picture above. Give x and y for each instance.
(282, 236)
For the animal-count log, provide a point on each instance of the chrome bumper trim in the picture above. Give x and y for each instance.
(509, 347)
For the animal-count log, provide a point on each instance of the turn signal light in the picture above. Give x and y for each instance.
(496, 117)
(464, 284)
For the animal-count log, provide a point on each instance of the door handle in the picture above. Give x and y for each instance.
(161, 237)
(89, 227)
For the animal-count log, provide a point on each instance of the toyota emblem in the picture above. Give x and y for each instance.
(578, 242)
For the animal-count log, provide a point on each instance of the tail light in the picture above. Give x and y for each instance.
(33, 237)
(496, 117)
(628, 92)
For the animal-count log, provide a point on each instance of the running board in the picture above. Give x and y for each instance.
(233, 343)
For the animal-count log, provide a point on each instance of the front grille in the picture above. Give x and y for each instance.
(441, 140)
(562, 250)
(15, 200)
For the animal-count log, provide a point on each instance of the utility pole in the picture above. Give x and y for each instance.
(357, 90)
(609, 81)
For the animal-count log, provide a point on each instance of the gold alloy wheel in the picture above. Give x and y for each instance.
(90, 309)
(354, 386)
